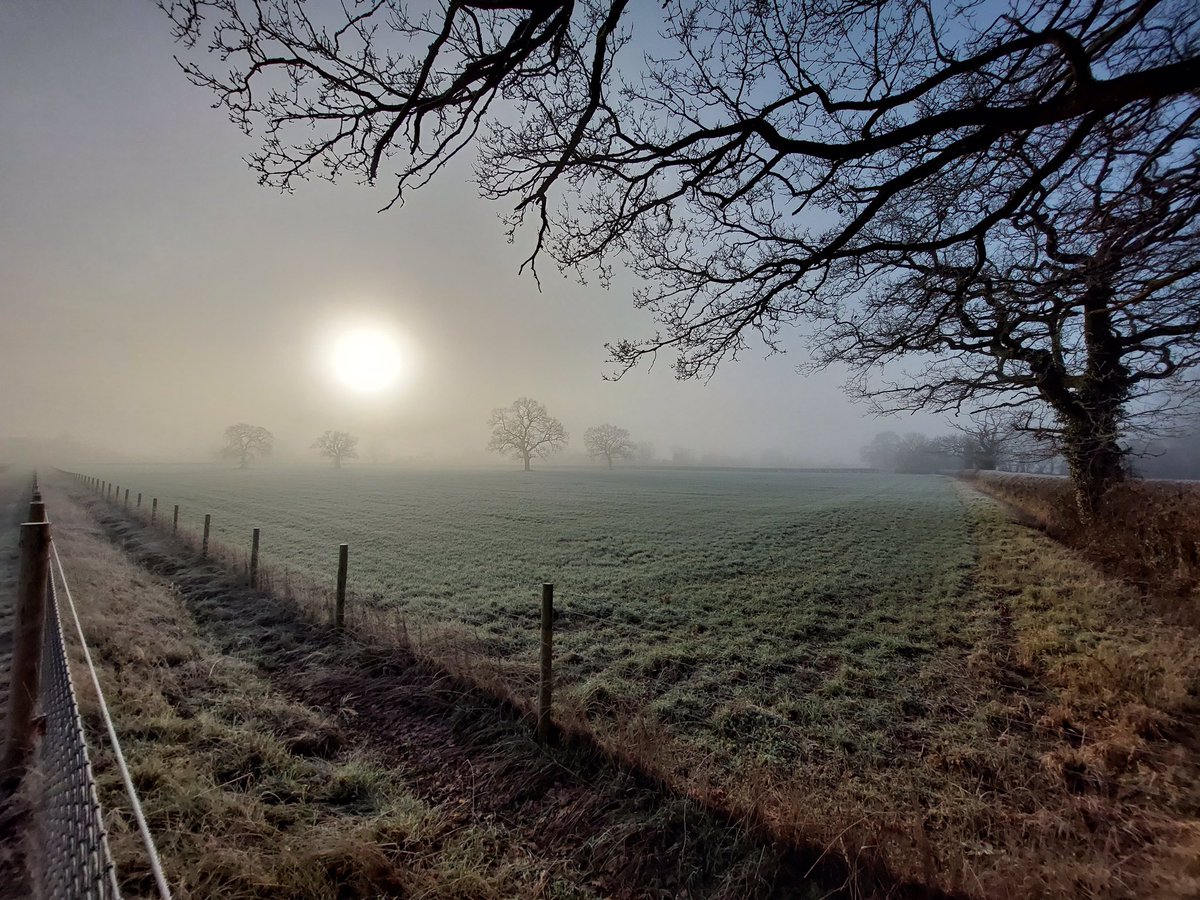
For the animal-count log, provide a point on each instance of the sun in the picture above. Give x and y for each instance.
(367, 360)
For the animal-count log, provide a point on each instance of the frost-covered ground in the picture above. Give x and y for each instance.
(789, 614)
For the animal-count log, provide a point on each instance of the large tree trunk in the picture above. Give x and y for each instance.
(609, 457)
(526, 458)
(1094, 456)
(1091, 436)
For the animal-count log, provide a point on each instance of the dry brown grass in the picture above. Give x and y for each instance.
(248, 793)
(1119, 814)
(1147, 531)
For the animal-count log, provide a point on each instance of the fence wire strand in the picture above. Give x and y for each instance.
(160, 879)
(70, 843)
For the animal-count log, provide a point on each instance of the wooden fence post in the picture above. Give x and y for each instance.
(37, 511)
(175, 520)
(254, 559)
(139, 503)
(153, 510)
(339, 609)
(545, 684)
(25, 675)
(204, 545)
(127, 498)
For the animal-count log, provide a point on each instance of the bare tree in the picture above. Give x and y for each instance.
(911, 453)
(1084, 311)
(246, 442)
(525, 430)
(984, 438)
(337, 446)
(883, 451)
(609, 442)
(757, 160)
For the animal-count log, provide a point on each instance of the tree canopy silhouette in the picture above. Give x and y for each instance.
(755, 158)
(761, 163)
(1078, 315)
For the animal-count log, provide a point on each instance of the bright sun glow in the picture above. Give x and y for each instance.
(367, 360)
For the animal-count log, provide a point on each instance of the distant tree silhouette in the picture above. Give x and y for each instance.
(682, 456)
(913, 453)
(246, 442)
(337, 446)
(882, 452)
(608, 442)
(525, 430)
(983, 438)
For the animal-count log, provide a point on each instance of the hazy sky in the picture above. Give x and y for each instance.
(153, 293)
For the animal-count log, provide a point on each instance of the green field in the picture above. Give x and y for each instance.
(771, 617)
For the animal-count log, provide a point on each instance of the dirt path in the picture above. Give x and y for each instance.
(570, 808)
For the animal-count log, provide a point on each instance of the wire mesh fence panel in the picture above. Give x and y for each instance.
(71, 858)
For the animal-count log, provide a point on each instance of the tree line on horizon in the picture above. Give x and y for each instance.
(524, 430)
(244, 443)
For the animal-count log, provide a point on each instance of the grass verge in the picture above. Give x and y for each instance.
(248, 792)
(1147, 532)
(1117, 685)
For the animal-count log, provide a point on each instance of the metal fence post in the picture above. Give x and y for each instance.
(25, 678)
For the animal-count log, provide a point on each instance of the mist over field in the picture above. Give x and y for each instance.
(154, 294)
(706, 449)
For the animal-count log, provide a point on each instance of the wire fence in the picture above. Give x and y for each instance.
(70, 843)
(66, 844)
